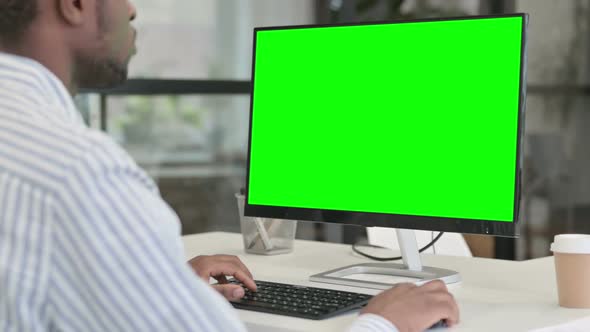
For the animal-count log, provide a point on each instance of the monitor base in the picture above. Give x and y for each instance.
(339, 276)
(412, 268)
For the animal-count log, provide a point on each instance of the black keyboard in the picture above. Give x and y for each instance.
(299, 301)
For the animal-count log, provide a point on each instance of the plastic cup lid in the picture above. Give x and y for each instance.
(571, 244)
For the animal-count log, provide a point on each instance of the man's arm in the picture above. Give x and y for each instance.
(372, 323)
(407, 307)
(118, 258)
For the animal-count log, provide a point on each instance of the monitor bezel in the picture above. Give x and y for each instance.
(370, 219)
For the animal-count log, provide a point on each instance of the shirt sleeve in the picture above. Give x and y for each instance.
(118, 261)
(372, 323)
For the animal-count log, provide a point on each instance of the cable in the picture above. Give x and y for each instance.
(385, 259)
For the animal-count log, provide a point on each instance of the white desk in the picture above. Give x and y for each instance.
(494, 295)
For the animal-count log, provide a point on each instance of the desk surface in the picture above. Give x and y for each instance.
(494, 295)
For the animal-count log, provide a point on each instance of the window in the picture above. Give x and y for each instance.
(184, 113)
(557, 182)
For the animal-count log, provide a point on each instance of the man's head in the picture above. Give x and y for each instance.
(87, 43)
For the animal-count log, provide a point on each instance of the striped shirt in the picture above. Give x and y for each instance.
(86, 241)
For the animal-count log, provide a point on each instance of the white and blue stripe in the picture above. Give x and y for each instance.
(86, 242)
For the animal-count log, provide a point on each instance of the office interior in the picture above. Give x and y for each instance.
(184, 114)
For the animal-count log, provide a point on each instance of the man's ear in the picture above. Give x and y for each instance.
(72, 11)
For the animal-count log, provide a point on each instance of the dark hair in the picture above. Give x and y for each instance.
(15, 18)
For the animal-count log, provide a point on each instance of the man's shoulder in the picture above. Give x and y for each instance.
(48, 152)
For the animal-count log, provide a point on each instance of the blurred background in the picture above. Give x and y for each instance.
(184, 114)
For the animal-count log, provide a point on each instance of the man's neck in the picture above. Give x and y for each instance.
(45, 50)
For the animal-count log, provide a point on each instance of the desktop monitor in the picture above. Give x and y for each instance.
(412, 125)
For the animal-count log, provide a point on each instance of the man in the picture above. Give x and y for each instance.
(86, 242)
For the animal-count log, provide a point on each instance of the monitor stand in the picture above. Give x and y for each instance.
(411, 268)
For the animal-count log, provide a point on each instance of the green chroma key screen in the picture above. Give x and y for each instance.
(416, 118)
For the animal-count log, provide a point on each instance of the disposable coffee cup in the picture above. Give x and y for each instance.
(572, 268)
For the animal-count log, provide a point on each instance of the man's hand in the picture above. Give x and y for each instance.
(220, 266)
(412, 308)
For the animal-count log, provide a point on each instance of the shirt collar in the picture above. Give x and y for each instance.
(39, 85)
